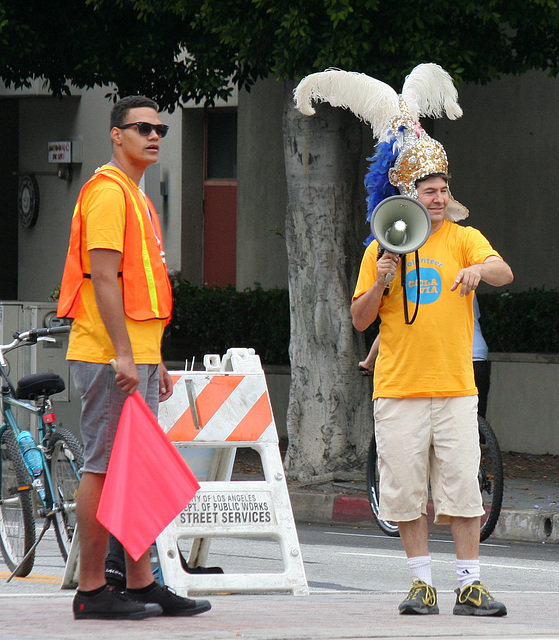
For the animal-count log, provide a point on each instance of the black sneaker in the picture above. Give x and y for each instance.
(171, 603)
(112, 604)
(474, 600)
(422, 599)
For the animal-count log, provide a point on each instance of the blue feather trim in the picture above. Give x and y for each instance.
(376, 181)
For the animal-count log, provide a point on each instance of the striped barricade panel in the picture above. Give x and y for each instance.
(217, 408)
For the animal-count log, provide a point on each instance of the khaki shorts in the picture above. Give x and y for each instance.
(422, 439)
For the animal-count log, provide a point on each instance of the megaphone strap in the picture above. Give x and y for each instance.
(404, 291)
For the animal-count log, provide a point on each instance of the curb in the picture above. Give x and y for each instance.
(529, 525)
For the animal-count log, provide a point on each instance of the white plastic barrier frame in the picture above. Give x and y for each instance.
(209, 415)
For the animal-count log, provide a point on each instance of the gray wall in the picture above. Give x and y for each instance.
(261, 198)
(504, 162)
(261, 194)
(523, 405)
(42, 249)
(193, 194)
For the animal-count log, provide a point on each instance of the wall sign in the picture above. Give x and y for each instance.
(28, 200)
(60, 152)
(228, 508)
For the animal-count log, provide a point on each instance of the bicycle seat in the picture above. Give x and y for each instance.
(39, 384)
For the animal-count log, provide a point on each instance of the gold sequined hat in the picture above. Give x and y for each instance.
(405, 152)
(419, 155)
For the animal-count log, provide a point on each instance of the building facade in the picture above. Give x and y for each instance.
(220, 184)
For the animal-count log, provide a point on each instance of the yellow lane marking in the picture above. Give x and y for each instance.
(33, 577)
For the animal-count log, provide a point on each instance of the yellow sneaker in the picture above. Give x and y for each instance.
(422, 599)
(475, 600)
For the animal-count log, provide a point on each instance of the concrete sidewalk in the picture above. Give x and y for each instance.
(334, 616)
(530, 510)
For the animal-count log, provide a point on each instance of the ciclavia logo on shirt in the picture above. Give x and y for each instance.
(429, 285)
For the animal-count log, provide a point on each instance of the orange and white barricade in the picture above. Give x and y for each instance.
(210, 414)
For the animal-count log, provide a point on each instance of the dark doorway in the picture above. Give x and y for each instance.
(9, 161)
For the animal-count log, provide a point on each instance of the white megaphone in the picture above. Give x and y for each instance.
(400, 224)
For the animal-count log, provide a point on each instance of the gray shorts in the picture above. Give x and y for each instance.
(102, 402)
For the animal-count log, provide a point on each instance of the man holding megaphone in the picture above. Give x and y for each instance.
(425, 398)
(425, 394)
(424, 389)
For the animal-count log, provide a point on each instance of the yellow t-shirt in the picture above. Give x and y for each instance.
(103, 222)
(433, 356)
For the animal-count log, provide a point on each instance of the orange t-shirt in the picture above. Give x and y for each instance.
(433, 356)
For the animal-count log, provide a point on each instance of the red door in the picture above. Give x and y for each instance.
(220, 198)
(220, 233)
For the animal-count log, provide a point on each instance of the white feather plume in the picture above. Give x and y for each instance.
(429, 91)
(368, 98)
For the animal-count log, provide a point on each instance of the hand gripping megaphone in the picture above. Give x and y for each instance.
(400, 224)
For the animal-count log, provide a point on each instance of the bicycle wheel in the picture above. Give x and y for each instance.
(373, 491)
(17, 518)
(66, 460)
(490, 478)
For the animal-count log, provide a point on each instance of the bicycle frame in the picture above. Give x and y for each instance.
(42, 433)
(55, 487)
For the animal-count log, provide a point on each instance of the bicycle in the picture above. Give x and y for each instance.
(49, 489)
(490, 478)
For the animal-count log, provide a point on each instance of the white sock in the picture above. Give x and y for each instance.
(468, 572)
(420, 567)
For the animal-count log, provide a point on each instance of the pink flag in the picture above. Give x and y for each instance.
(147, 483)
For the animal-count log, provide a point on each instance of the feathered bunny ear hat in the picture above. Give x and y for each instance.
(405, 152)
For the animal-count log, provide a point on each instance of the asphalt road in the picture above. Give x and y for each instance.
(356, 578)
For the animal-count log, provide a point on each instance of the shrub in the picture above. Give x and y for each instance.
(210, 319)
(524, 322)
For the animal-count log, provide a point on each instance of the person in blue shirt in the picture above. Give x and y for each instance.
(482, 366)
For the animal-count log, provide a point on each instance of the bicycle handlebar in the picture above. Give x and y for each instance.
(31, 337)
(40, 333)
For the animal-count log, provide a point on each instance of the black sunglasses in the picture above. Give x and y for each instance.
(145, 128)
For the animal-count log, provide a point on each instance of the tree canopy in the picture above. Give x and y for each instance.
(74, 42)
(177, 50)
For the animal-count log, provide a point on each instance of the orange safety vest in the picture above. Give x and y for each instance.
(147, 292)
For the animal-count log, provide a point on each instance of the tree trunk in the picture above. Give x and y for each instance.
(329, 417)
